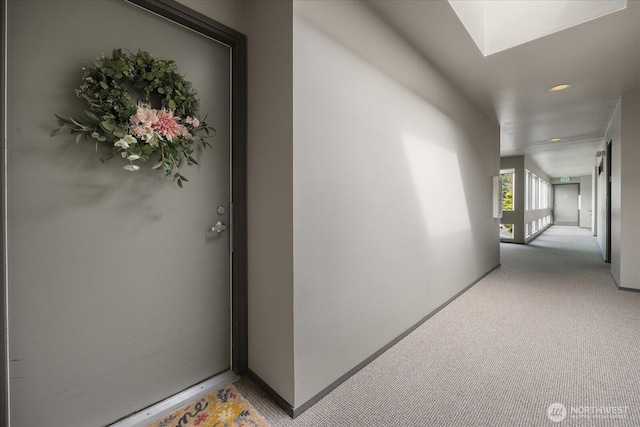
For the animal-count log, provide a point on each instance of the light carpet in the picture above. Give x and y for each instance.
(546, 332)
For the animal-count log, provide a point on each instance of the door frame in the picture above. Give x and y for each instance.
(237, 43)
(607, 202)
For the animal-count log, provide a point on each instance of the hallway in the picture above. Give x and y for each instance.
(548, 326)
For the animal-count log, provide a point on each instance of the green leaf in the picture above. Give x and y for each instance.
(92, 116)
(172, 104)
(79, 137)
(54, 132)
(180, 183)
(62, 121)
(147, 149)
(107, 125)
(104, 85)
(118, 132)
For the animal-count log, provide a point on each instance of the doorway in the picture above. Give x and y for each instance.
(119, 291)
(565, 204)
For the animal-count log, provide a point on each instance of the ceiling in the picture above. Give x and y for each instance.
(599, 58)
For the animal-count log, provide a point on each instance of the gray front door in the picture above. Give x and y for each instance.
(118, 288)
(565, 205)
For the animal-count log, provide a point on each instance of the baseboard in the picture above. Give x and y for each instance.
(271, 393)
(148, 415)
(294, 412)
(622, 288)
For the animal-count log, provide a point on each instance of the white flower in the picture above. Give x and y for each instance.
(129, 139)
(121, 143)
(131, 168)
(193, 121)
(133, 157)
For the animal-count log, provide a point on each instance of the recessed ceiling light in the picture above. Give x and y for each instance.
(555, 139)
(558, 88)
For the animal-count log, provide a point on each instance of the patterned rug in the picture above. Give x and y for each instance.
(224, 407)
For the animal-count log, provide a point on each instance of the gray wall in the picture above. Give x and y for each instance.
(392, 189)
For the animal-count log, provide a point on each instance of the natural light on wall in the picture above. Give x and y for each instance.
(438, 183)
(497, 25)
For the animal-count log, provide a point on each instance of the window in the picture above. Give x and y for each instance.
(506, 231)
(508, 180)
(537, 192)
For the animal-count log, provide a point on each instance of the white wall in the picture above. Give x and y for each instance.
(270, 194)
(586, 205)
(629, 226)
(624, 132)
(392, 189)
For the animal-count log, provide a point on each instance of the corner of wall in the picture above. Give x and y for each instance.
(270, 194)
(629, 181)
(4, 354)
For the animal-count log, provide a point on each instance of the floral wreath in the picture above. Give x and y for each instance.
(132, 127)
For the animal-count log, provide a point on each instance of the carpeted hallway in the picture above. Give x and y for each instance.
(547, 327)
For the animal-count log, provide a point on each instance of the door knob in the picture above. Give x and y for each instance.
(219, 227)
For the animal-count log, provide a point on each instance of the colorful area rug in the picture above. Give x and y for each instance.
(224, 407)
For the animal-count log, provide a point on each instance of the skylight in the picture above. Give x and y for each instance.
(497, 25)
